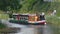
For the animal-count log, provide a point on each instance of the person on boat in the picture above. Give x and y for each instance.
(18, 17)
(37, 17)
(42, 16)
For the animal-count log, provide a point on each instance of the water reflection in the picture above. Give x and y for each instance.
(36, 29)
(55, 29)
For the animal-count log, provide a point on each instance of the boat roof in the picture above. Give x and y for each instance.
(24, 14)
(20, 15)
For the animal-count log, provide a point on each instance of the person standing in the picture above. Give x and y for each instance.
(42, 16)
(54, 12)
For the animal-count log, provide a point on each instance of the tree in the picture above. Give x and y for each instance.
(6, 5)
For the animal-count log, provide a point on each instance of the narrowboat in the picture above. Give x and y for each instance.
(27, 19)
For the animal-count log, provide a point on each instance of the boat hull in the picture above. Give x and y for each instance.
(27, 22)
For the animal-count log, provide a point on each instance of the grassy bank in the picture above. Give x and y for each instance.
(53, 20)
(3, 16)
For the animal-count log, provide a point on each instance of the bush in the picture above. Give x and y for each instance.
(2, 25)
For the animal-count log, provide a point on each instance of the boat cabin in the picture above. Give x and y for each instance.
(20, 17)
(28, 17)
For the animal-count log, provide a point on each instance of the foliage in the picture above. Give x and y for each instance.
(35, 6)
(29, 5)
(2, 25)
(9, 5)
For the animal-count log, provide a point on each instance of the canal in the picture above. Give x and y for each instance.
(34, 29)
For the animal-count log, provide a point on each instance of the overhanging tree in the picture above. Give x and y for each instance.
(6, 5)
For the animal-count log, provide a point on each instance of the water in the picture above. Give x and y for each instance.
(34, 29)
